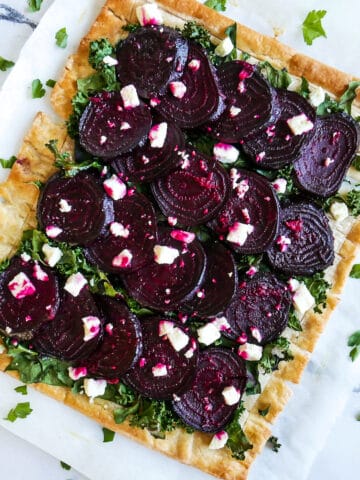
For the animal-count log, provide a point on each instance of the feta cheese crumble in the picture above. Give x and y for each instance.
(94, 388)
(218, 440)
(224, 48)
(91, 326)
(239, 233)
(115, 187)
(129, 97)
(225, 153)
(231, 395)
(75, 283)
(20, 286)
(149, 14)
(165, 255)
(300, 124)
(157, 135)
(52, 254)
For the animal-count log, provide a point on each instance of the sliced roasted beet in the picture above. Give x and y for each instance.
(74, 210)
(194, 192)
(260, 309)
(108, 128)
(76, 330)
(122, 342)
(168, 361)
(129, 240)
(148, 162)
(305, 243)
(249, 220)
(204, 406)
(196, 98)
(150, 58)
(173, 276)
(29, 297)
(275, 145)
(325, 159)
(250, 102)
(219, 284)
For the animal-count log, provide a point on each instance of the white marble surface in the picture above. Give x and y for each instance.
(339, 459)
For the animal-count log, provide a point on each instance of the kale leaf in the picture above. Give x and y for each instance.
(218, 5)
(237, 441)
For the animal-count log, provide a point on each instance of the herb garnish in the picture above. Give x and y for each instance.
(108, 435)
(237, 441)
(196, 32)
(61, 38)
(277, 78)
(356, 162)
(218, 5)
(348, 96)
(273, 353)
(312, 27)
(50, 83)
(7, 163)
(34, 5)
(318, 287)
(265, 411)
(64, 465)
(354, 341)
(274, 444)
(22, 410)
(355, 271)
(37, 89)
(5, 64)
(21, 389)
(293, 321)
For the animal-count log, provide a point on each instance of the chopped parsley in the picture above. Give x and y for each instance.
(61, 38)
(37, 89)
(22, 410)
(354, 342)
(7, 163)
(355, 271)
(352, 200)
(318, 287)
(64, 465)
(218, 5)
(22, 389)
(108, 435)
(34, 5)
(50, 83)
(312, 27)
(131, 27)
(273, 353)
(5, 64)
(294, 322)
(274, 444)
(304, 89)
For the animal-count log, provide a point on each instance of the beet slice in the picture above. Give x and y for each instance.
(175, 280)
(260, 309)
(324, 161)
(305, 243)
(107, 128)
(203, 407)
(146, 163)
(122, 342)
(249, 219)
(77, 207)
(194, 192)
(202, 100)
(250, 102)
(168, 361)
(66, 337)
(150, 58)
(129, 240)
(29, 297)
(275, 145)
(219, 284)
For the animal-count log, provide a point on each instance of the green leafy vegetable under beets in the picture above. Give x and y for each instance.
(356, 162)
(218, 5)
(108, 435)
(312, 27)
(37, 89)
(354, 341)
(294, 322)
(34, 5)
(70, 168)
(270, 360)
(318, 288)
(7, 163)
(5, 64)
(277, 78)
(22, 410)
(348, 96)
(352, 200)
(355, 271)
(237, 441)
(61, 38)
(196, 32)
(304, 89)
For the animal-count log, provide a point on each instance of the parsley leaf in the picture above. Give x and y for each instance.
(318, 288)
(21, 389)
(157, 417)
(109, 435)
(277, 78)
(5, 64)
(7, 163)
(304, 90)
(293, 322)
(355, 271)
(4, 264)
(354, 341)
(274, 443)
(22, 410)
(356, 162)
(50, 83)
(328, 106)
(312, 27)
(61, 38)
(348, 96)
(231, 33)
(64, 465)
(352, 200)
(218, 5)
(274, 353)
(264, 412)
(37, 89)
(34, 5)
(237, 441)
(195, 31)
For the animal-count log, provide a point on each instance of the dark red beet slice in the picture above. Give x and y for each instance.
(122, 342)
(150, 58)
(194, 192)
(146, 163)
(305, 243)
(250, 102)
(29, 297)
(275, 145)
(66, 337)
(129, 241)
(107, 128)
(202, 99)
(77, 207)
(203, 407)
(249, 219)
(167, 365)
(175, 280)
(325, 159)
(260, 309)
(219, 284)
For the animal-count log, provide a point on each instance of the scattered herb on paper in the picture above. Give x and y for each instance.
(358, 417)
(274, 444)
(21, 389)
(355, 271)
(218, 5)
(354, 341)
(312, 27)
(61, 38)
(37, 89)
(7, 163)
(5, 64)
(22, 410)
(109, 435)
(50, 83)
(64, 465)
(34, 5)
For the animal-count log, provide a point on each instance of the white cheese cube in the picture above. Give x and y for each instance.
(129, 97)
(160, 370)
(52, 231)
(75, 283)
(224, 48)
(239, 233)
(115, 187)
(75, 373)
(280, 185)
(300, 124)
(339, 211)
(317, 95)
(165, 327)
(20, 286)
(225, 153)
(94, 388)
(231, 395)
(218, 440)
(208, 334)
(250, 352)
(183, 236)
(64, 206)
(157, 135)
(302, 299)
(122, 260)
(110, 61)
(178, 338)
(178, 89)
(52, 254)
(149, 14)
(165, 255)
(118, 230)
(91, 326)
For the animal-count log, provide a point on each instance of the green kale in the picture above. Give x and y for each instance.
(237, 441)
(34, 5)
(354, 341)
(348, 96)
(293, 322)
(218, 5)
(196, 32)
(270, 360)
(70, 168)
(108, 435)
(274, 444)
(157, 417)
(287, 173)
(253, 386)
(318, 288)
(312, 27)
(131, 27)
(329, 105)
(4, 264)
(304, 89)
(5, 64)
(201, 142)
(352, 200)
(355, 271)
(356, 162)
(61, 38)
(277, 78)
(22, 410)
(37, 89)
